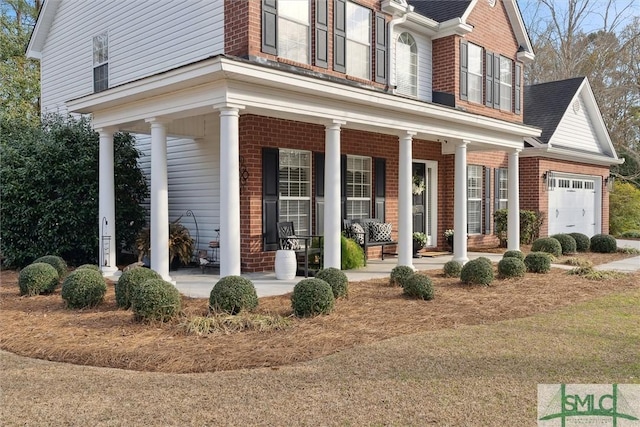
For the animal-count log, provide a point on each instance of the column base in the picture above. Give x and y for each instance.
(110, 272)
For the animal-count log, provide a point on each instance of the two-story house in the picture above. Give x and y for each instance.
(258, 111)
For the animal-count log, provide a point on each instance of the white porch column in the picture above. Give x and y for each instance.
(460, 204)
(513, 213)
(332, 196)
(229, 189)
(159, 198)
(405, 203)
(107, 204)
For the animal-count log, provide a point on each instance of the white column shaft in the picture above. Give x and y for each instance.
(229, 192)
(513, 213)
(460, 205)
(405, 203)
(159, 200)
(107, 205)
(332, 197)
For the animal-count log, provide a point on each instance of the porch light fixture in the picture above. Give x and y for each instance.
(544, 177)
(609, 181)
(549, 179)
(244, 175)
(105, 251)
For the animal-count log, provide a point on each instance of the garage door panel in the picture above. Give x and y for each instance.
(573, 205)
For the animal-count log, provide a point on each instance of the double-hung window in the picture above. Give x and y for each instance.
(506, 66)
(293, 30)
(474, 199)
(358, 187)
(407, 65)
(358, 47)
(474, 76)
(502, 188)
(295, 189)
(101, 62)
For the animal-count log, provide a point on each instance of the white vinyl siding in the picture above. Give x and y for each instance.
(474, 199)
(143, 41)
(358, 41)
(293, 30)
(358, 187)
(475, 73)
(294, 200)
(576, 130)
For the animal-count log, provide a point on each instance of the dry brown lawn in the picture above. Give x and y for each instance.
(41, 327)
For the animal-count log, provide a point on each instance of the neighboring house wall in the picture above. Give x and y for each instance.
(140, 38)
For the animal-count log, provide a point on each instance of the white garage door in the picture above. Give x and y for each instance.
(575, 204)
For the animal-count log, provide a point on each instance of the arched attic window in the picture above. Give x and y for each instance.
(407, 65)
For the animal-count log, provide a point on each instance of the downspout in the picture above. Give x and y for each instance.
(392, 48)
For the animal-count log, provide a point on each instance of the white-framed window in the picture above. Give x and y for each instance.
(474, 199)
(474, 76)
(506, 65)
(407, 65)
(358, 187)
(295, 189)
(293, 30)
(358, 41)
(503, 188)
(101, 62)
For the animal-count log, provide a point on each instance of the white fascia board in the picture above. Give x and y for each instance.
(525, 57)
(519, 29)
(451, 27)
(421, 24)
(571, 155)
(596, 116)
(467, 12)
(41, 30)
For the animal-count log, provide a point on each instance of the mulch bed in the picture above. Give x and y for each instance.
(42, 327)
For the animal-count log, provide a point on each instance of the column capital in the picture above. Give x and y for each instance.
(463, 143)
(228, 107)
(407, 134)
(157, 121)
(335, 124)
(106, 130)
(516, 151)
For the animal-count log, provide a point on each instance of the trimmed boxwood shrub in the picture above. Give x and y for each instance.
(83, 287)
(56, 262)
(155, 299)
(89, 266)
(233, 294)
(583, 243)
(336, 279)
(514, 254)
(537, 262)
(129, 280)
(511, 267)
(351, 255)
(400, 274)
(38, 278)
(418, 286)
(477, 271)
(452, 268)
(604, 243)
(567, 243)
(312, 297)
(548, 245)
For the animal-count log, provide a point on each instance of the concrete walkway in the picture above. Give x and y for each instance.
(193, 283)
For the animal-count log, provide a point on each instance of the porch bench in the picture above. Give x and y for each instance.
(364, 237)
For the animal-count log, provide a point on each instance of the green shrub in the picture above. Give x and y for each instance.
(567, 243)
(56, 262)
(548, 245)
(83, 287)
(538, 262)
(633, 234)
(419, 286)
(477, 271)
(129, 280)
(485, 260)
(38, 278)
(89, 266)
(155, 299)
(583, 243)
(400, 274)
(352, 255)
(579, 262)
(312, 297)
(624, 208)
(603, 243)
(233, 294)
(452, 268)
(530, 223)
(514, 254)
(511, 267)
(336, 279)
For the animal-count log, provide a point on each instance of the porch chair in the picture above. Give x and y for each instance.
(300, 244)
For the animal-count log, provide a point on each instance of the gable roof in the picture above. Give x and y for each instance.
(41, 30)
(441, 10)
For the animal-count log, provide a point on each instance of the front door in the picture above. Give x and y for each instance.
(419, 190)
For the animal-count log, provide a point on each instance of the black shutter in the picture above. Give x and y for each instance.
(489, 79)
(343, 186)
(339, 36)
(322, 33)
(269, 27)
(487, 200)
(381, 49)
(319, 161)
(518, 90)
(270, 192)
(380, 187)
(496, 189)
(464, 70)
(496, 81)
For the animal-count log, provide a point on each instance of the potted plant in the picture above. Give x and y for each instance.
(181, 244)
(419, 242)
(448, 235)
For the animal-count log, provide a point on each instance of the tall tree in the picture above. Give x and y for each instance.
(19, 76)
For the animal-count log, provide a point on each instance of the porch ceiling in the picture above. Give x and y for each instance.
(198, 88)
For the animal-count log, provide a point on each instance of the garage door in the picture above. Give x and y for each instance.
(574, 204)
